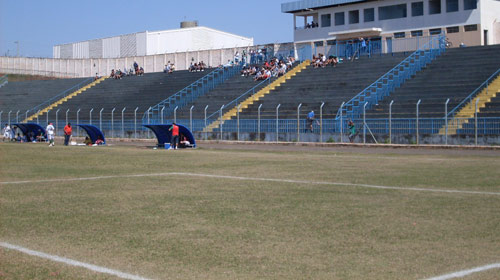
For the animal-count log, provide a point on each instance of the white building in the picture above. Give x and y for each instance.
(191, 38)
(472, 22)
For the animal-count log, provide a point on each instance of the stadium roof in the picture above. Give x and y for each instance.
(304, 5)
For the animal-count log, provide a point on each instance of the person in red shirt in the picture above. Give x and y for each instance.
(67, 133)
(174, 139)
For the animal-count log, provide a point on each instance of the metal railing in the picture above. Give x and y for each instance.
(4, 80)
(386, 84)
(190, 93)
(212, 117)
(474, 93)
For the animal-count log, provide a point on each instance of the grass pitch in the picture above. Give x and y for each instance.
(190, 227)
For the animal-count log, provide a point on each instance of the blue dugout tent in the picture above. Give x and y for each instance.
(27, 128)
(164, 136)
(93, 132)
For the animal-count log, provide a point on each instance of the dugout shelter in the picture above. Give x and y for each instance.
(164, 135)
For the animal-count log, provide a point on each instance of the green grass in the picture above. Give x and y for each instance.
(190, 227)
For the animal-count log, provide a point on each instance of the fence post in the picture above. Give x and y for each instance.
(446, 121)
(390, 121)
(17, 116)
(26, 115)
(100, 118)
(238, 121)
(191, 118)
(123, 123)
(1, 112)
(135, 122)
(475, 122)
(206, 131)
(298, 122)
(417, 126)
(364, 122)
(220, 120)
(321, 122)
(67, 111)
(90, 120)
(161, 114)
(175, 114)
(78, 121)
(258, 122)
(57, 112)
(277, 117)
(113, 122)
(341, 123)
(9, 116)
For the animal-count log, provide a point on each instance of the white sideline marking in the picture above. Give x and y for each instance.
(253, 179)
(465, 272)
(72, 262)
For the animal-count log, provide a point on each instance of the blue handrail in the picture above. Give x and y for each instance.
(4, 80)
(61, 95)
(190, 93)
(393, 78)
(249, 92)
(474, 93)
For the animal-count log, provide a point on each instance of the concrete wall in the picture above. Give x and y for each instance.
(102, 66)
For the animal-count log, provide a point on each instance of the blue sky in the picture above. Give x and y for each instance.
(40, 24)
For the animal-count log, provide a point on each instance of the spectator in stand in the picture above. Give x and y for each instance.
(352, 130)
(141, 71)
(333, 61)
(237, 57)
(67, 134)
(96, 77)
(112, 75)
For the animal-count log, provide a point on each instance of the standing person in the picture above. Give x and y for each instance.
(7, 133)
(352, 131)
(310, 120)
(67, 133)
(175, 136)
(50, 134)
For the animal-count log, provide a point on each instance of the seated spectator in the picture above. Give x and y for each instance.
(130, 72)
(96, 77)
(87, 141)
(141, 71)
(112, 75)
(333, 60)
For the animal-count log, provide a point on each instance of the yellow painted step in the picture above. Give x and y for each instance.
(64, 99)
(257, 96)
(468, 111)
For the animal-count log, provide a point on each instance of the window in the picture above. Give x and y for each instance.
(326, 20)
(353, 17)
(331, 42)
(452, 29)
(470, 4)
(339, 18)
(416, 33)
(472, 27)
(434, 7)
(399, 35)
(417, 9)
(435, 31)
(392, 12)
(318, 43)
(369, 14)
(451, 6)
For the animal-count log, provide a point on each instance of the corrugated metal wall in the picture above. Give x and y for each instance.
(111, 47)
(81, 50)
(95, 48)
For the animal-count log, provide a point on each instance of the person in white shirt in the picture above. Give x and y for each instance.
(7, 133)
(50, 134)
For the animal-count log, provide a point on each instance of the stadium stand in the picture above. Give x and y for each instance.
(130, 92)
(332, 85)
(453, 75)
(26, 95)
